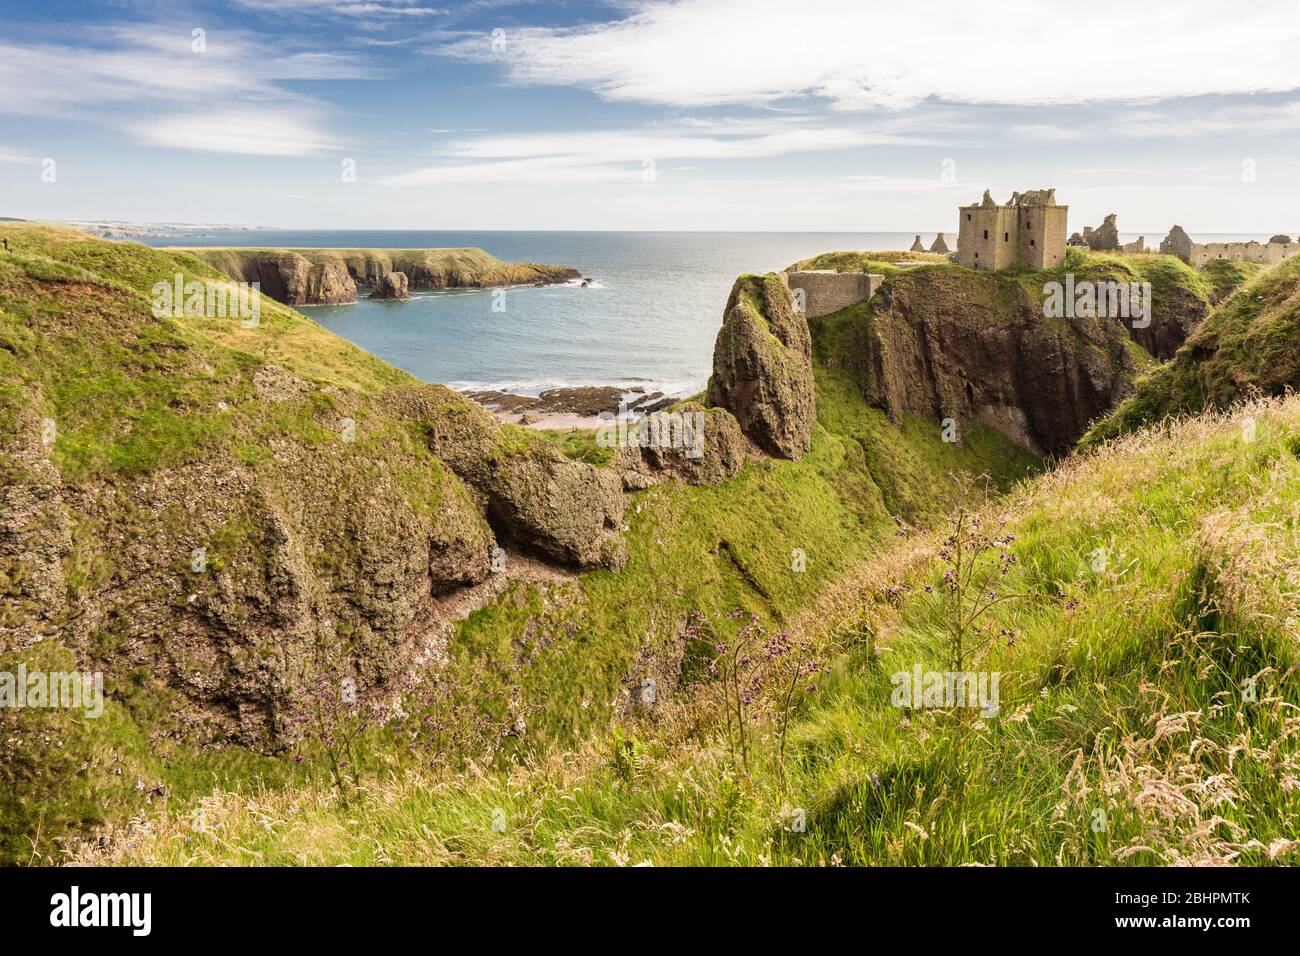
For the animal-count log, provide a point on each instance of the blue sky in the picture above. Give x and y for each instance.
(649, 114)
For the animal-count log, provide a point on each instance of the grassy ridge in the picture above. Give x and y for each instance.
(1246, 347)
(1146, 714)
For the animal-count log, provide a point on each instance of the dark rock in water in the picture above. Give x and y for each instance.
(391, 285)
(762, 367)
(586, 400)
(586, 283)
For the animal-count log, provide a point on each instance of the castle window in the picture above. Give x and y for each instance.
(986, 233)
(1031, 242)
(1006, 237)
(968, 217)
(1028, 224)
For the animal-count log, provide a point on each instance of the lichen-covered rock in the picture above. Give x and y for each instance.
(564, 510)
(762, 367)
(694, 444)
(535, 497)
(391, 285)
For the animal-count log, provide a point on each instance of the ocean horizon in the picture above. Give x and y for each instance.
(648, 320)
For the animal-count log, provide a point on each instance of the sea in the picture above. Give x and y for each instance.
(647, 319)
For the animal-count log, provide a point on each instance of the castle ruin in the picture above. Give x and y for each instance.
(1179, 244)
(1028, 231)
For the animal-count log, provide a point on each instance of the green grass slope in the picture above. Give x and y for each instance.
(1246, 347)
(145, 404)
(1147, 650)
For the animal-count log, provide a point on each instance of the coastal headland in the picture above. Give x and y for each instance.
(334, 276)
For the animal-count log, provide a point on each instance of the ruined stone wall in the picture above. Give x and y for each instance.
(1266, 252)
(826, 291)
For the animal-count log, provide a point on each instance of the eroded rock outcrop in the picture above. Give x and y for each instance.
(295, 280)
(221, 546)
(391, 285)
(565, 511)
(694, 444)
(974, 347)
(762, 367)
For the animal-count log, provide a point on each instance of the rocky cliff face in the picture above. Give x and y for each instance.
(945, 343)
(762, 367)
(230, 531)
(331, 276)
(391, 285)
(295, 280)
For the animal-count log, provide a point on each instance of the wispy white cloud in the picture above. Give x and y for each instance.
(148, 78)
(854, 55)
(624, 154)
(350, 8)
(1189, 121)
(8, 155)
(255, 131)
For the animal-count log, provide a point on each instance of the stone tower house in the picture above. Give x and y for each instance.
(1028, 231)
